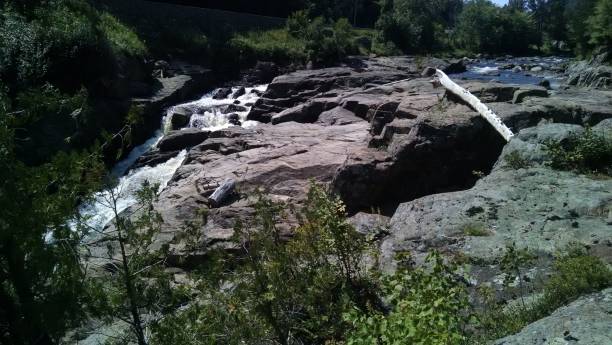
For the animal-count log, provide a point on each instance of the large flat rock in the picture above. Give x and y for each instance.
(534, 207)
(587, 321)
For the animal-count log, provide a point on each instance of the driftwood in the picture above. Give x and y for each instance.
(222, 192)
(476, 104)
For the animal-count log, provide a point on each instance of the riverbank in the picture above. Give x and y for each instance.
(416, 169)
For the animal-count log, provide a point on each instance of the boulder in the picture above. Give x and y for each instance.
(182, 139)
(222, 93)
(455, 66)
(532, 206)
(153, 158)
(241, 91)
(590, 74)
(520, 95)
(234, 119)
(233, 108)
(545, 83)
(537, 69)
(428, 72)
(517, 69)
(585, 321)
(180, 117)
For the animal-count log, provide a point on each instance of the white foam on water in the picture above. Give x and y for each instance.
(207, 111)
(486, 70)
(99, 212)
(207, 116)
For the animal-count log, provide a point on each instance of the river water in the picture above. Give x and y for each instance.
(207, 115)
(506, 71)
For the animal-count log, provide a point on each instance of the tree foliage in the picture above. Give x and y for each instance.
(41, 291)
(483, 27)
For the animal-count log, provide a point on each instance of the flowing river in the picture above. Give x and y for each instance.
(208, 115)
(517, 70)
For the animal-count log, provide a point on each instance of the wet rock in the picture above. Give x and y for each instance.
(585, 321)
(455, 66)
(520, 95)
(153, 158)
(428, 72)
(241, 91)
(233, 108)
(180, 118)
(234, 119)
(537, 69)
(590, 74)
(517, 69)
(222, 93)
(545, 83)
(182, 139)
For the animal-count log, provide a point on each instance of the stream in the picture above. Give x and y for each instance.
(207, 114)
(517, 70)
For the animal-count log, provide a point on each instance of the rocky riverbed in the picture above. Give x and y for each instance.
(411, 162)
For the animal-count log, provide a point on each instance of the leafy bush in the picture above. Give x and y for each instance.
(23, 51)
(589, 152)
(121, 38)
(272, 45)
(427, 307)
(515, 160)
(303, 40)
(327, 44)
(41, 288)
(408, 25)
(575, 274)
(285, 291)
(298, 23)
(600, 25)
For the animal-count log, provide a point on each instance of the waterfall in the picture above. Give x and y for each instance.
(208, 114)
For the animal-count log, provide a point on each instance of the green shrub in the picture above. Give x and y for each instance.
(272, 45)
(280, 290)
(600, 25)
(121, 38)
(515, 160)
(327, 44)
(575, 274)
(589, 152)
(45, 101)
(23, 51)
(427, 307)
(475, 229)
(297, 23)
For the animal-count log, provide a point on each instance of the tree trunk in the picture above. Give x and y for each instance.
(476, 104)
(129, 284)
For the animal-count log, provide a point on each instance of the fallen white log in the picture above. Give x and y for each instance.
(476, 104)
(222, 192)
